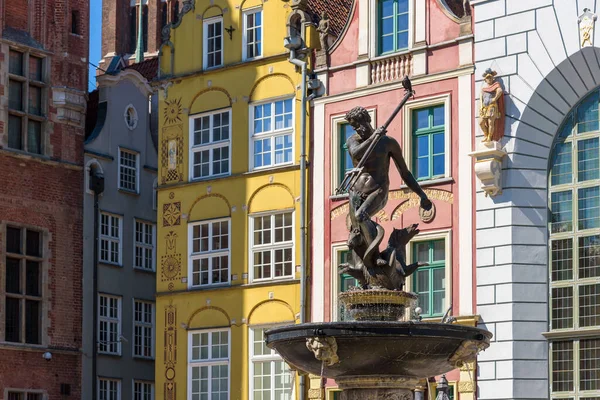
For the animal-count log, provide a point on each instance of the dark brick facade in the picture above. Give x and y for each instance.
(43, 192)
(119, 34)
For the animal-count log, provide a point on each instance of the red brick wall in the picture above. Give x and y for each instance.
(48, 194)
(116, 27)
(16, 15)
(48, 197)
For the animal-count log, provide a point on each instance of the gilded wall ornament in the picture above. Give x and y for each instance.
(170, 356)
(170, 267)
(173, 111)
(586, 21)
(171, 154)
(172, 214)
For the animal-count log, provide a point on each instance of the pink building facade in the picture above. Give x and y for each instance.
(431, 41)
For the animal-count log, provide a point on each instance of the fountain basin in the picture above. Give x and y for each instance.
(378, 304)
(379, 350)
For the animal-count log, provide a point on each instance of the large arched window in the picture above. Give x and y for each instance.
(574, 191)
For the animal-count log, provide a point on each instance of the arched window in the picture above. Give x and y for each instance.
(574, 203)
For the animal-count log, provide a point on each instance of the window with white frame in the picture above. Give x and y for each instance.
(24, 395)
(143, 317)
(341, 282)
(272, 246)
(111, 232)
(431, 282)
(252, 39)
(128, 170)
(144, 245)
(210, 252)
(109, 389)
(574, 248)
(213, 42)
(109, 324)
(427, 138)
(143, 390)
(270, 377)
(272, 133)
(208, 365)
(210, 149)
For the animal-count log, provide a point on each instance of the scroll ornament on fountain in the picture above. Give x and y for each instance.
(489, 153)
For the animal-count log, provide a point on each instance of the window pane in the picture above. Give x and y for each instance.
(34, 137)
(13, 276)
(439, 250)
(15, 95)
(35, 68)
(562, 214)
(35, 100)
(589, 207)
(589, 364)
(562, 164)
(587, 114)
(562, 260)
(33, 243)
(421, 119)
(15, 63)
(588, 153)
(589, 305)
(438, 116)
(32, 279)
(32, 321)
(562, 308)
(562, 366)
(439, 288)
(438, 143)
(13, 240)
(402, 39)
(589, 257)
(13, 320)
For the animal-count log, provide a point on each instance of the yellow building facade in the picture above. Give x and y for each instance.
(229, 199)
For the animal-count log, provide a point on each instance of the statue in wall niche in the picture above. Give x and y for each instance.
(367, 185)
(323, 30)
(491, 112)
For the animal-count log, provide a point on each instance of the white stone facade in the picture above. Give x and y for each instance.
(535, 47)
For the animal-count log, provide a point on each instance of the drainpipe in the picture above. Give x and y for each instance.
(97, 186)
(302, 65)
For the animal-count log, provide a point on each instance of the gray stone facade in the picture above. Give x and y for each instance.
(123, 123)
(535, 47)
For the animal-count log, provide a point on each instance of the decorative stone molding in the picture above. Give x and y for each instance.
(130, 116)
(391, 68)
(315, 391)
(70, 105)
(488, 166)
(466, 387)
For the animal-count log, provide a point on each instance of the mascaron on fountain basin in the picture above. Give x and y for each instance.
(354, 351)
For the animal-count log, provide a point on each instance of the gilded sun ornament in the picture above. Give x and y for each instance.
(173, 111)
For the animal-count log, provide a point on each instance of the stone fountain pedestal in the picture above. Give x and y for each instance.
(377, 387)
(382, 356)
